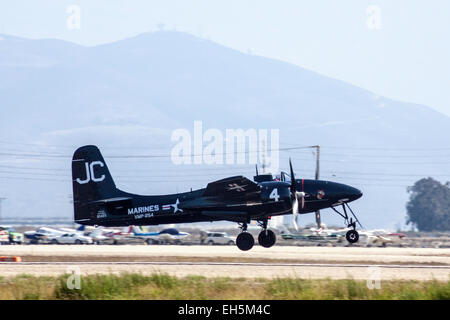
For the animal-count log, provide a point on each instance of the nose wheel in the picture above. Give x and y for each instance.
(352, 236)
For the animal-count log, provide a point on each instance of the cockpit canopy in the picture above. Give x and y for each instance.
(283, 176)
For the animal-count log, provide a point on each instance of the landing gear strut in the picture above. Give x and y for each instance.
(352, 236)
(266, 238)
(244, 240)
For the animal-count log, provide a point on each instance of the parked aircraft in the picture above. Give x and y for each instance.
(42, 234)
(382, 238)
(170, 235)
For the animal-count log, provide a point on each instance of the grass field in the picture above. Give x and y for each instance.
(162, 286)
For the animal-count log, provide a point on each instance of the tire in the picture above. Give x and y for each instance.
(268, 240)
(78, 241)
(245, 241)
(352, 236)
(230, 243)
(210, 243)
(54, 241)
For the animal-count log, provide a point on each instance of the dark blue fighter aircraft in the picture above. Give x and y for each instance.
(97, 201)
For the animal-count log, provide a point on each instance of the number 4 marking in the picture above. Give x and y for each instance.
(274, 194)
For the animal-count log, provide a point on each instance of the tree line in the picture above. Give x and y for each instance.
(428, 208)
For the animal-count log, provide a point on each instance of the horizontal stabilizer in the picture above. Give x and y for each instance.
(112, 200)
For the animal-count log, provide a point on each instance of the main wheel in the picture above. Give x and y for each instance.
(245, 241)
(267, 240)
(352, 236)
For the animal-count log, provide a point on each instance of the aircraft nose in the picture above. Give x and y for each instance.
(354, 193)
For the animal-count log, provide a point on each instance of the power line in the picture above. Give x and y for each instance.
(385, 148)
(202, 172)
(33, 179)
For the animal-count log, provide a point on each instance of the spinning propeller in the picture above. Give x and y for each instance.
(295, 195)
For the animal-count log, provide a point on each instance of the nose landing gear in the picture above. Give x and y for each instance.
(352, 236)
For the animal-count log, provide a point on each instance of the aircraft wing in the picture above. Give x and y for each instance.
(233, 187)
(221, 198)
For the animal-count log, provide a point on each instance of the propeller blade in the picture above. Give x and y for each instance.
(295, 210)
(302, 196)
(295, 195)
(295, 223)
(295, 207)
(293, 185)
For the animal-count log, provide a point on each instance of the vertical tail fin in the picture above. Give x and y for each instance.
(97, 232)
(91, 181)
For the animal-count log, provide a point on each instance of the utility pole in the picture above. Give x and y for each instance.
(318, 220)
(263, 147)
(1, 199)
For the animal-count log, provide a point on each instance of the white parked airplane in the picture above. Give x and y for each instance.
(381, 237)
(42, 234)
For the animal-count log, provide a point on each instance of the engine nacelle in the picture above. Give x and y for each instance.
(274, 191)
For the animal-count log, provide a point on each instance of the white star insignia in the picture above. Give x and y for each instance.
(175, 206)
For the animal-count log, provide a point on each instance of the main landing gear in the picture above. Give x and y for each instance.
(266, 238)
(244, 240)
(352, 236)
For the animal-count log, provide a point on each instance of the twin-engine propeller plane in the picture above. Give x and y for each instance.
(97, 201)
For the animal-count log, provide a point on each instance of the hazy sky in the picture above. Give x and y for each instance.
(399, 49)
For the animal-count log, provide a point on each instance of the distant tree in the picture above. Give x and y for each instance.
(429, 205)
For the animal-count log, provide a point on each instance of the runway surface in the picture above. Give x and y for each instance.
(228, 261)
